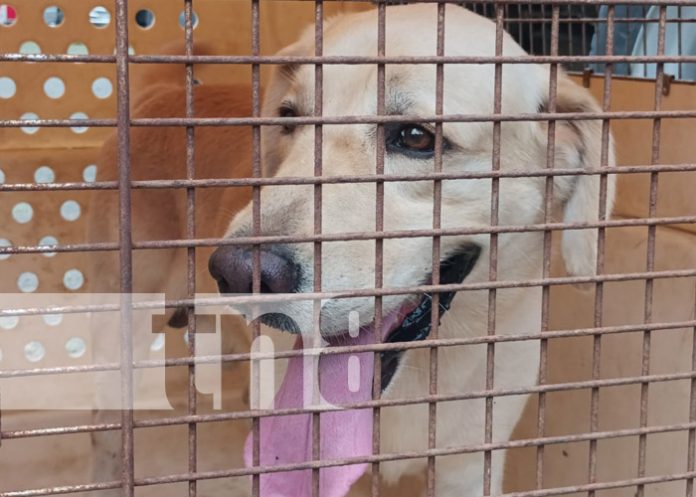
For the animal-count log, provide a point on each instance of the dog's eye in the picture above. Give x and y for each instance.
(413, 138)
(287, 111)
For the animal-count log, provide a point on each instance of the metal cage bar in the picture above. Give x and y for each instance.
(601, 239)
(125, 250)
(256, 226)
(379, 244)
(192, 404)
(516, 15)
(317, 247)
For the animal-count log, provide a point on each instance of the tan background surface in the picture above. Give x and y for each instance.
(674, 301)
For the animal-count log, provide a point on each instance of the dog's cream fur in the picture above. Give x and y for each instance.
(351, 149)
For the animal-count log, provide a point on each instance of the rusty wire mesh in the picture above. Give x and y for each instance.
(556, 45)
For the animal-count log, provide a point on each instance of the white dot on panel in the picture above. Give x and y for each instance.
(52, 319)
(99, 17)
(44, 174)
(54, 87)
(75, 347)
(89, 174)
(77, 48)
(73, 279)
(22, 212)
(4, 242)
(30, 48)
(79, 116)
(102, 88)
(70, 210)
(8, 15)
(145, 18)
(29, 116)
(0, 355)
(34, 351)
(48, 240)
(2, 176)
(157, 343)
(53, 16)
(28, 282)
(8, 87)
(182, 19)
(9, 322)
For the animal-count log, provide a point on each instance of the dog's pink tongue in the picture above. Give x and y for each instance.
(345, 379)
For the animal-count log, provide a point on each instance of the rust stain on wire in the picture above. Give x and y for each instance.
(371, 178)
(379, 247)
(125, 250)
(192, 448)
(371, 459)
(450, 342)
(349, 236)
(270, 298)
(268, 121)
(348, 59)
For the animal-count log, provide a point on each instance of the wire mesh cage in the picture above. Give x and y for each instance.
(338, 248)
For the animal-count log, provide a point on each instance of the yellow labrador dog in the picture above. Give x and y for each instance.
(347, 435)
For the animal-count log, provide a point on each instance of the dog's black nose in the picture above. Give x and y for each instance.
(232, 268)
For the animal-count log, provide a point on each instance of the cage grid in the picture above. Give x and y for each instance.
(554, 53)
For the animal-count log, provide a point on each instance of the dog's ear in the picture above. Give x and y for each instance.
(280, 83)
(281, 77)
(578, 144)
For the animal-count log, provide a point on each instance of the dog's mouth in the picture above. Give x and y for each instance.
(413, 319)
(418, 318)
